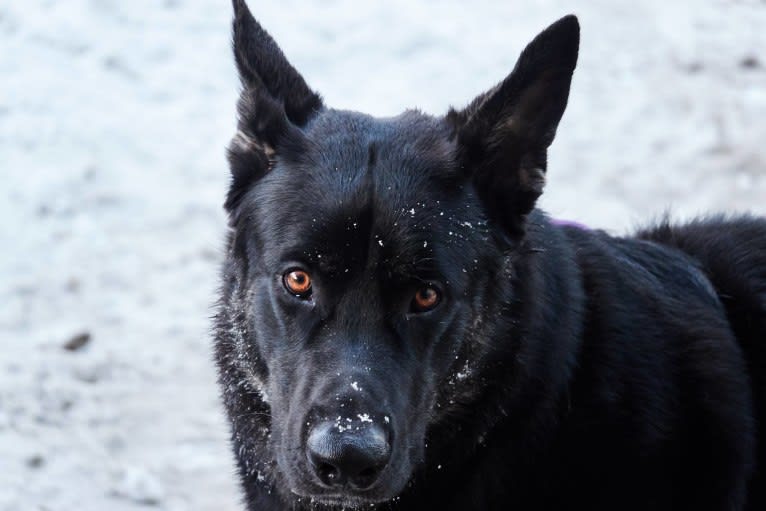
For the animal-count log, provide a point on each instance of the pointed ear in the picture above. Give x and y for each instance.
(263, 66)
(275, 103)
(504, 134)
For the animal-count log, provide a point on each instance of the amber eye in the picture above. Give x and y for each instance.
(298, 282)
(425, 299)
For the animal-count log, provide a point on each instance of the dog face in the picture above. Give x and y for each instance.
(364, 255)
(362, 275)
(361, 278)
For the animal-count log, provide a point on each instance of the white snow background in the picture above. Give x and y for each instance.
(114, 115)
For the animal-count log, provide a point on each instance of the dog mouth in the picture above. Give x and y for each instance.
(340, 501)
(345, 496)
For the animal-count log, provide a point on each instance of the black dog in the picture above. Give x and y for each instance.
(400, 328)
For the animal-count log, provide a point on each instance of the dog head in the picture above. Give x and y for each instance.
(364, 256)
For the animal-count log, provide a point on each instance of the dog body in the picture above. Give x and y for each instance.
(400, 327)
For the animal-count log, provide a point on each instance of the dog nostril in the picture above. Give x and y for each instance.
(368, 472)
(327, 473)
(365, 478)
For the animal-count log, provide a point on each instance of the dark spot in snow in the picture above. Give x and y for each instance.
(693, 67)
(77, 342)
(750, 62)
(35, 461)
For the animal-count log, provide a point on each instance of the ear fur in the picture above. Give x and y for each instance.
(263, 66)
(504, 134)
(274, 104)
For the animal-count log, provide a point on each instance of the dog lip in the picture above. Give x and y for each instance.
(347, 497)
(344, 492)
(343, 500)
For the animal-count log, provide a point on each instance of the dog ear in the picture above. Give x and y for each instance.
(275, 103)
(504, 134)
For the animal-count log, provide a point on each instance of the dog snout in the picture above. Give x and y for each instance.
(348, 456)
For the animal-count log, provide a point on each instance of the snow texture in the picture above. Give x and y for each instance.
(114, 116)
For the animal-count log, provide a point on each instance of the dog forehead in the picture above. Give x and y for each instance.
(389, 161)
(367, 188)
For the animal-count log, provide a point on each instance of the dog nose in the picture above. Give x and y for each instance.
(341, 456)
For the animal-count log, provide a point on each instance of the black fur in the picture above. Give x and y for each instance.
(564, 368)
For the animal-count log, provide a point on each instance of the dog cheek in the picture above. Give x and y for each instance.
(284, 444)
(421, 398)
(289, 411)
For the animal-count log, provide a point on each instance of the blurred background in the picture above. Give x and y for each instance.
(114, 116)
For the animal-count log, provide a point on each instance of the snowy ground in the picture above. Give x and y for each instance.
(113, 120)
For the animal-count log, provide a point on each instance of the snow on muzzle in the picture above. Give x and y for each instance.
(349, 436)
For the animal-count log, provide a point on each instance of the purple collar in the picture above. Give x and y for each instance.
(569, 223)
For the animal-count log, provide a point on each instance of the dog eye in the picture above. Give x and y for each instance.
(425, 299)
(297, 282)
